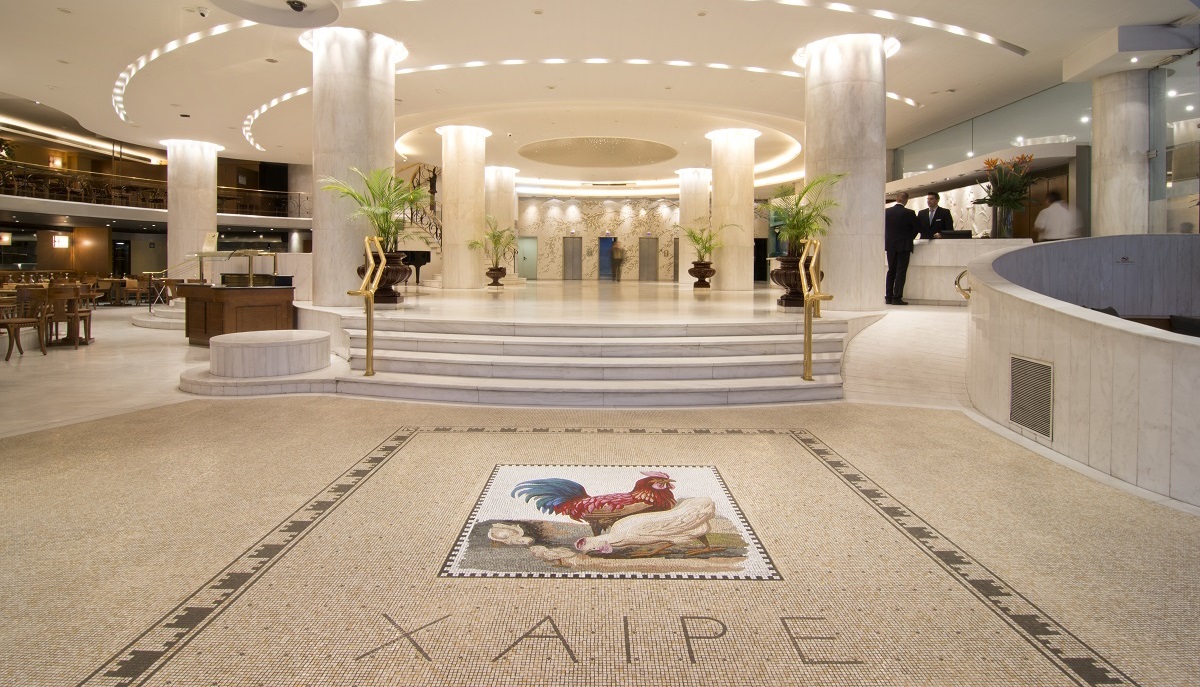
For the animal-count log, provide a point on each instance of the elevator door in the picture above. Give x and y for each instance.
(605, 272)
(648, 258)
(527, 256)
(572, 257)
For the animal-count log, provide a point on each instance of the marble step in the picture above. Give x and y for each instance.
(610, 368)
(592, 330)
(591, 393)
(593, 347)
(148, 321)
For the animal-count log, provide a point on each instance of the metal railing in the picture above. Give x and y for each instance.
(53, 183)
(370, 283)
(810, 280)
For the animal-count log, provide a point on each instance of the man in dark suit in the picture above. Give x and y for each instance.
(934, 220)
(899, 230)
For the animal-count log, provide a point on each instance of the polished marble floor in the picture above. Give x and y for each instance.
(153, 538)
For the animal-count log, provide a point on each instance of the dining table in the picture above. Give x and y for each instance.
(115, 286)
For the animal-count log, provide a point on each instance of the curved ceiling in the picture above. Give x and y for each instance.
(531, 70)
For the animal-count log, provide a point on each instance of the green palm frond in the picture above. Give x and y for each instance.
(703, 238)
(383, 199)
(498, 245)
(800, 215)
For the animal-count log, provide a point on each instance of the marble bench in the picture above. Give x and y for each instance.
(268, 353)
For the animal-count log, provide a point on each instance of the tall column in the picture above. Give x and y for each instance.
(354, 125)
(295, 241)
(463, 203)
(191, 196)
(1120, 139)
(844, 132)
(300, 190)
(693, 212)
(733, 205)
(501, 195)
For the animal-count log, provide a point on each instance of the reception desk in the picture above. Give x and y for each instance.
(936, 263)
(214, 310)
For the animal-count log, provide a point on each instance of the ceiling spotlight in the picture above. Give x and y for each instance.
(1085, 119)
(1133, 60)
(1189, 108)
(297, 5)
(970, 153)
(1172, 93)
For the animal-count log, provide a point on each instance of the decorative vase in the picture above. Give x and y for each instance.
(702, 270)
(496, 274)
(787, 276)
(394, 272)
(1002, 223)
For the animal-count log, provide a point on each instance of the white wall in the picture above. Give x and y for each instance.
(1125, 395)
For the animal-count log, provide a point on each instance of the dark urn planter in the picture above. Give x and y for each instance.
(787, 275)
(495, 274)
(702, 270)
(394, 272)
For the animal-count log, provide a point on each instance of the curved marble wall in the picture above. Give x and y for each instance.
(1126, 396)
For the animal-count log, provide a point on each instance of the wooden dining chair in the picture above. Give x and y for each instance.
(137, 288)
(29, 311)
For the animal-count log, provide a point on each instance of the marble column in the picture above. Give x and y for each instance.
(300, 190)
(844, 133)
(733, 207)
(500, 184)
(463, 204)
(191, 198)
(1120, 139)
(354, 125)
(694, 212)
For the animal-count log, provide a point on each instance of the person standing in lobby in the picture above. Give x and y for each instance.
(618, 257)
(899, 230)
(1057, 221)
(932, 221)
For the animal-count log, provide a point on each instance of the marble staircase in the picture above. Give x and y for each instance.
(579, 364)
(172, 316)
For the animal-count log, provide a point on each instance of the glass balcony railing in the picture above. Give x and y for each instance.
(51, 183)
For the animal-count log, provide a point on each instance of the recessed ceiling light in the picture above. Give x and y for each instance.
(64, 10)
(1085, 119)
(1189, 108)
(272, 60)
(1133, 60)
(928, 166)
(184, 115)
(702, 13)
(1172, 93)
(62, 62)
(537, 11)
(970, 153)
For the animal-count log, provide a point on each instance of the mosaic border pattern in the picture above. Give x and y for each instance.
(461, 542)
(1070, 654)
(143, 657)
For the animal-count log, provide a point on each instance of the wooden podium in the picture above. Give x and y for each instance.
(213, 310)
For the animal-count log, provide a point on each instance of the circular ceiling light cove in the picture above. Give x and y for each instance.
(122, 82)
(597, 151)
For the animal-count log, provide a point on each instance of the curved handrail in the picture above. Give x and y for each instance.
(965, 292)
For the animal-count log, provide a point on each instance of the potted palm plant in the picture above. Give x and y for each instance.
(385, 201)
(704, 240)
(498, 245)
(798, 216)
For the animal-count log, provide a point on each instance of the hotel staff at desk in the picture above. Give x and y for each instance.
(934, 221)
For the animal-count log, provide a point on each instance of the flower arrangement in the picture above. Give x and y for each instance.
(1007, 183)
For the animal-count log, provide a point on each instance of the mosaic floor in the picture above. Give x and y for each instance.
(838, 544)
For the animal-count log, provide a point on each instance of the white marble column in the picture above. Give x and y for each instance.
(463, 201)
(694, 212)
(733, 207)
(354, 125)
(1120, 139)
(300, 190)
(500, 184)
(191, 197)
(844, 133)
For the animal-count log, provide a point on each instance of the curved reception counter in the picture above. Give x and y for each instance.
(936, 263)
(1118, 396)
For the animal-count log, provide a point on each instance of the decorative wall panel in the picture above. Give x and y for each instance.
(627, 219)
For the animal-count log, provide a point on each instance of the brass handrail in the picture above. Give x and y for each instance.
(810, 280)
(370, 283)
(965, 292)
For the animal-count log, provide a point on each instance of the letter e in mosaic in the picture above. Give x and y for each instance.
(626, 522)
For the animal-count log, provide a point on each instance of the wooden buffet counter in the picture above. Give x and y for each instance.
(213, 310)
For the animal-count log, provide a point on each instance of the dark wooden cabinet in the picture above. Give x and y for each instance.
(214, 310)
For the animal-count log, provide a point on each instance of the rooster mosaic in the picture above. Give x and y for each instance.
(564, 497)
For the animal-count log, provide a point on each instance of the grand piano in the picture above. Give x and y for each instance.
(415, 259)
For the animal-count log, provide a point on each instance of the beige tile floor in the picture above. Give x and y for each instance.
(916, 545)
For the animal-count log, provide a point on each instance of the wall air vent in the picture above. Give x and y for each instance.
(1032, 403)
